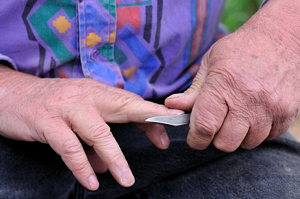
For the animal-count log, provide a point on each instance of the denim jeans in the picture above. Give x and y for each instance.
(272, 170)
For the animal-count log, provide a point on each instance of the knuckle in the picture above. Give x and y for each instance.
(121, 102)
(72, 152)
(116, 159)
(206, 128)
(99, 132)
(243, 117)
(126, 101)
(225, 79)
(81, 167)
(71, 147)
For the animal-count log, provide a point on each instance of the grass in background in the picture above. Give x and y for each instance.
(237, 12)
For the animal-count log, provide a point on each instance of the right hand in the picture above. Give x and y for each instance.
(54, 111)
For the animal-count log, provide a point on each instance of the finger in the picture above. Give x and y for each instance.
(156, 134)
(98, 165)
(65, 143)
(279, 127)
(206, 119)
(232, 133)
(256, 135)
(96, 133)
(121, 91)
(120, 108)
(185, 101)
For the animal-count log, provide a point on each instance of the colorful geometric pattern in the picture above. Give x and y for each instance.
(150, 47)
(128, 3)
(47, 12)
(62, 24)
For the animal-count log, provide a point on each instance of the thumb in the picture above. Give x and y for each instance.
(185, 101)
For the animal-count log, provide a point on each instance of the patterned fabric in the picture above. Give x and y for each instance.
(149, 47)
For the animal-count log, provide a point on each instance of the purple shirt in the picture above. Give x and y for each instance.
(149, 47)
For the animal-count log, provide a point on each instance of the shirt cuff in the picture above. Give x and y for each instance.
(10, 62)
(263, 3)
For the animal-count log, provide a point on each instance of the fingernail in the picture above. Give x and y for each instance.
(175, 112)
(93, 182)
(127, 177)
(164, 139)
(175, 95)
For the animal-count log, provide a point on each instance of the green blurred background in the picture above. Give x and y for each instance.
(237, 12)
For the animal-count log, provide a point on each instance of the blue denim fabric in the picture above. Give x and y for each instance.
(272, 170)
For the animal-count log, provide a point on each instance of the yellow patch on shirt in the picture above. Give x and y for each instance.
(129, 72)
(62, 24)
(92, 40)
(112, 37)
(119, 70)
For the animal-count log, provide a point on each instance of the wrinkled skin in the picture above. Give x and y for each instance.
(248, 86)
(247, 90)
(54, 111)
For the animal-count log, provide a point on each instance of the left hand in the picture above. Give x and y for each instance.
(60, 111)
(247, 89)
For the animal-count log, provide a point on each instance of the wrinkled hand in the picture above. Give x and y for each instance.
(247, 89)
(54, 111)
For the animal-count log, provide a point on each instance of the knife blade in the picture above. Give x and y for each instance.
(173, 120)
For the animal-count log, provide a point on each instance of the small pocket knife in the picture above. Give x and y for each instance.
(173, 120)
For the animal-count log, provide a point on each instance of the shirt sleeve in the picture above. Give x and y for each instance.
(263, 3)
(9, 61)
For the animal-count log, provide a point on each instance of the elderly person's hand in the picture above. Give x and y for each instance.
(248, 86)
(56, 111)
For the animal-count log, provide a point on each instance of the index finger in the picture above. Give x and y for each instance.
(123, 106)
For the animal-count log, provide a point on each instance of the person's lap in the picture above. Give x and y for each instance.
(271, 170)
(33, 170)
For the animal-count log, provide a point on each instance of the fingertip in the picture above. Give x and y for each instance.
(182, 101)
(177, 95)
(175, 111)
(127, 178)
(93, 183)
(172, 100)
(156, 133)
(165, 141)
